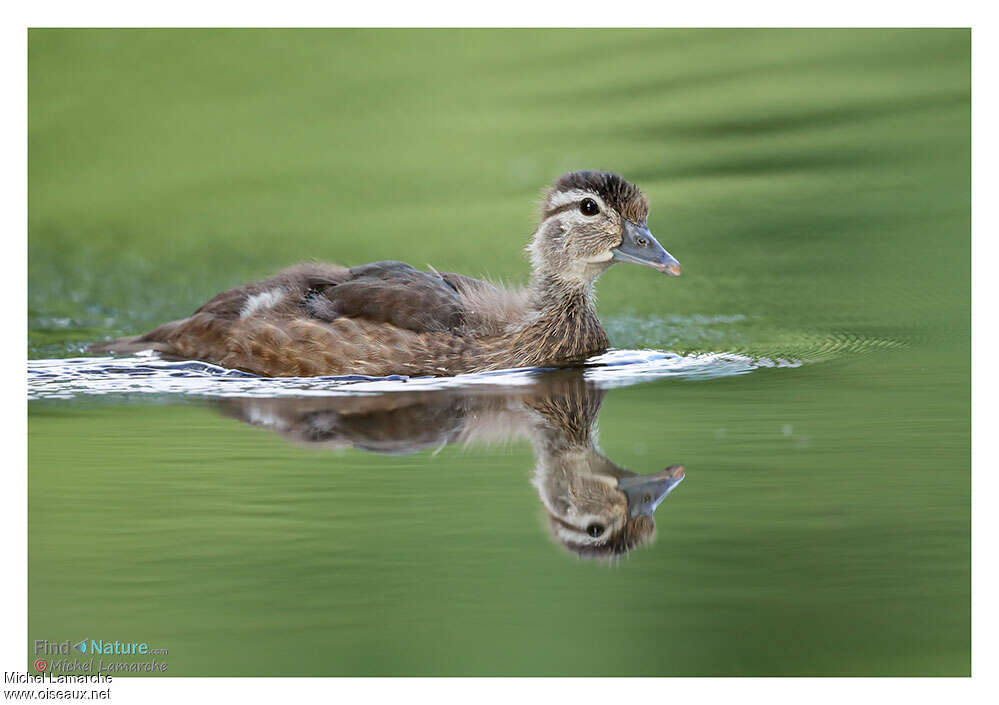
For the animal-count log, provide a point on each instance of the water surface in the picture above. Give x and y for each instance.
(810, 371)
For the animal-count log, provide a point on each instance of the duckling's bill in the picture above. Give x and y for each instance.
(638, 246)
(646, 492)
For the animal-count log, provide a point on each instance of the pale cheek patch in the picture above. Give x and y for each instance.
(572, 218)
(566, 536)
(602, 257)
(259, 302)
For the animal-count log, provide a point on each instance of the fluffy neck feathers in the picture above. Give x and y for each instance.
(562, 323)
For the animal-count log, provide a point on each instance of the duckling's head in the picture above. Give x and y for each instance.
(590, 220)
(599, 510)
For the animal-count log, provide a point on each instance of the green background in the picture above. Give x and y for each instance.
(815, 185)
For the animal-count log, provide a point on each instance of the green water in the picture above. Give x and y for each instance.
(815, 185)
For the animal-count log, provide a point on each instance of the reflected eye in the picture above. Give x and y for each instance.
(588, 207)
(595, 530)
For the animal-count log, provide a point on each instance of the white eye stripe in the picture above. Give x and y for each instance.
(572, 534)
(564, 198)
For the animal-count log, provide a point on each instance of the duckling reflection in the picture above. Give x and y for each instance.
(594, 507)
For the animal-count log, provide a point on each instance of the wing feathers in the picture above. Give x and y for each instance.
(311, 319)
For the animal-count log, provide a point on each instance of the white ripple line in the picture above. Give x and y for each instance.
(147, 374)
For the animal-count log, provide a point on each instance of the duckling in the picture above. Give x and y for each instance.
(594, 508)
(390, 318)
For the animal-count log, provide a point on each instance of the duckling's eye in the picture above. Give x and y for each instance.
(595, 530)
(642, 242)
(588, 207)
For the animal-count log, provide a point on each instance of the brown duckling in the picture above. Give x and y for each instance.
(389, 318)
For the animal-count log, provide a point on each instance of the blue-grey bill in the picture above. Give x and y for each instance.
(646, 492)
(638, 246)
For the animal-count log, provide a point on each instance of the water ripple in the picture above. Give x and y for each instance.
(144, 374)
